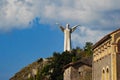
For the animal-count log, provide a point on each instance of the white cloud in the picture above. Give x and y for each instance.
(93, 14)
(83, 35)
(15, 14)
(18, 13)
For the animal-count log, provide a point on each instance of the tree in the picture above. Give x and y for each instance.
(54, 69)
(59, 61)
(88, 48)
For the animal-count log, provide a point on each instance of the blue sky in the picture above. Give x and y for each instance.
(21, 47)
(28, 28)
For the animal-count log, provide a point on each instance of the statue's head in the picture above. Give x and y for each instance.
(67, 26)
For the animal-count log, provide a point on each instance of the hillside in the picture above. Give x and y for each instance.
(27, 71)
(52, 68)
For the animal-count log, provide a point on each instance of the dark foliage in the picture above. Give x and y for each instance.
(54, 69)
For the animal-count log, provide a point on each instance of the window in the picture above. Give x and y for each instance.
(107, 74)
(103, 74)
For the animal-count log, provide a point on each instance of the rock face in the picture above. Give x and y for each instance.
(30, 70)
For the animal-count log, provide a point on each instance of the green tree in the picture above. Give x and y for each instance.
(54, 69)
(59, 61)
(88, 48)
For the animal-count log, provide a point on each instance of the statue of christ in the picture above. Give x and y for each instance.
(67, 36)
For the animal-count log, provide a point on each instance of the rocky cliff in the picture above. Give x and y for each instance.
(31, 70)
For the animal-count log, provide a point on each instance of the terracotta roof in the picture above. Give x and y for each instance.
(84, 61)
(104, 39)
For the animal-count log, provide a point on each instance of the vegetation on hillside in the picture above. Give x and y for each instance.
(54, 69)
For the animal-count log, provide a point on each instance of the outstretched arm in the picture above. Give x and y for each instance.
(62, 28)
(74, 27)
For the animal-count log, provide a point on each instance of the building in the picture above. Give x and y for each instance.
(80, 70)
(106, 58)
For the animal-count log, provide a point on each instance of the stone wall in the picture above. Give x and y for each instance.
(106, 57)
(83, 72)
(100, 65)
(74, 74)
(118, 66)
(71, 74)
(67, 74)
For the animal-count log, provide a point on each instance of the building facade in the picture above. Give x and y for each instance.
(106, 58)
(81, 70)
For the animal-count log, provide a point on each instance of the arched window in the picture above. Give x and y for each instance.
(118, 46)
(103, 74)
(107, 74)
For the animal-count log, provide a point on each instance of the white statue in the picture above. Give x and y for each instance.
(67, 36)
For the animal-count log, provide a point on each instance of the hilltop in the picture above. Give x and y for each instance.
(51, 68)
